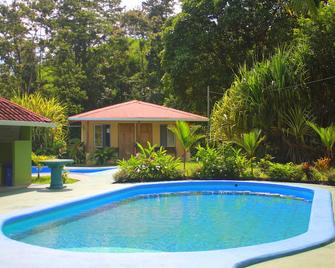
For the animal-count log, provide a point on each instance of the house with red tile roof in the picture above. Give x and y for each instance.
(123, 125)
(16, 123)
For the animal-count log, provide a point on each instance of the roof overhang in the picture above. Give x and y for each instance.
(138, 119)
(25, 123)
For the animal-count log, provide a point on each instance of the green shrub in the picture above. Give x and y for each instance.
(317, 175)
(36, 159)
(331, 175)
(101, 156)
(220, 162)
(265, 163)
(287, 171)
(149, 164)
(76, 150)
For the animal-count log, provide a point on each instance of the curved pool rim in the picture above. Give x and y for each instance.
(321, 231)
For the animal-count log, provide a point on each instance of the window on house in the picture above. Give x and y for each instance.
(102, 136)
(98, 136)
(167, 137)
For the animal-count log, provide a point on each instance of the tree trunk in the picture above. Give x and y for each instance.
(184, 158)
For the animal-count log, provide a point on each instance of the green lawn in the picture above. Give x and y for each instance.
(46, 180)
(191, 168)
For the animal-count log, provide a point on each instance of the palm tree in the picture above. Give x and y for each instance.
(305, 6)
(294, 129)
(327, 136)
(250, 142)
(187, 137)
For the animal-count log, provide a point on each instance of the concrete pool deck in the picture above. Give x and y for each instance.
(36, 195)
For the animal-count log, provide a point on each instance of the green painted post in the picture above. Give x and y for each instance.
(21, 162)
(56, 178)
(56, 166)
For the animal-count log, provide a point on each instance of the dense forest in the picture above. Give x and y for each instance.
(267, 63)
(92, 53)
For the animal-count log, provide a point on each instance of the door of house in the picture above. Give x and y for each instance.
(144, 133)
(126, 140)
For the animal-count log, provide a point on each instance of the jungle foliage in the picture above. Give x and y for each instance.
(281, 94)
(273, 62)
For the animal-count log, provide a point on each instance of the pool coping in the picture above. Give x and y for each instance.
(321, 231)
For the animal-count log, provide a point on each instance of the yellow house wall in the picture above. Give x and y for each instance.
(87, 131)
(156, 138)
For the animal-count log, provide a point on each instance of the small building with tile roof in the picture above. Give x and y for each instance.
(122, 126)
(16, 123)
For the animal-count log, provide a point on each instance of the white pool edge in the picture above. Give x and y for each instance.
(321, 231)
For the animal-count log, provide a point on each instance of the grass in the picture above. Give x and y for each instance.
(191, 168)
(47, 179)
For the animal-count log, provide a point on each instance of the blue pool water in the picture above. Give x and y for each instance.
(72, 169)
(169, 222)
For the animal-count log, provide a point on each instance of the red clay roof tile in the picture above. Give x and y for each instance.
(137, 111)
(10, 111)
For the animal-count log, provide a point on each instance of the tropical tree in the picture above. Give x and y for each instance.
(206, 42)
(261, 97)
(305, 6)
(327, 136)
(318, 34)
(250, 142)
(46, 140)
(18, 46)
(187, 137)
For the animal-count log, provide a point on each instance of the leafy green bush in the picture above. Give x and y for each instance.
(101, 156)
(149, 164)
(331, 175)
(317, 175)
(265, 162)
(218, 163)
(36, 159)
(287, 171)
(76, 150)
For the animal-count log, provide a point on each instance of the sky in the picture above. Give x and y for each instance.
(131, 3)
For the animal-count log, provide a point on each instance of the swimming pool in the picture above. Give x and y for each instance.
(84, 170)
(177, 223)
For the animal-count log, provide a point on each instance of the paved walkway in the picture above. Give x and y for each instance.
(35, 195)
(38, 194)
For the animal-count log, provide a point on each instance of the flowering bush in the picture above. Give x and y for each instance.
(150, 163)
(322, 164)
